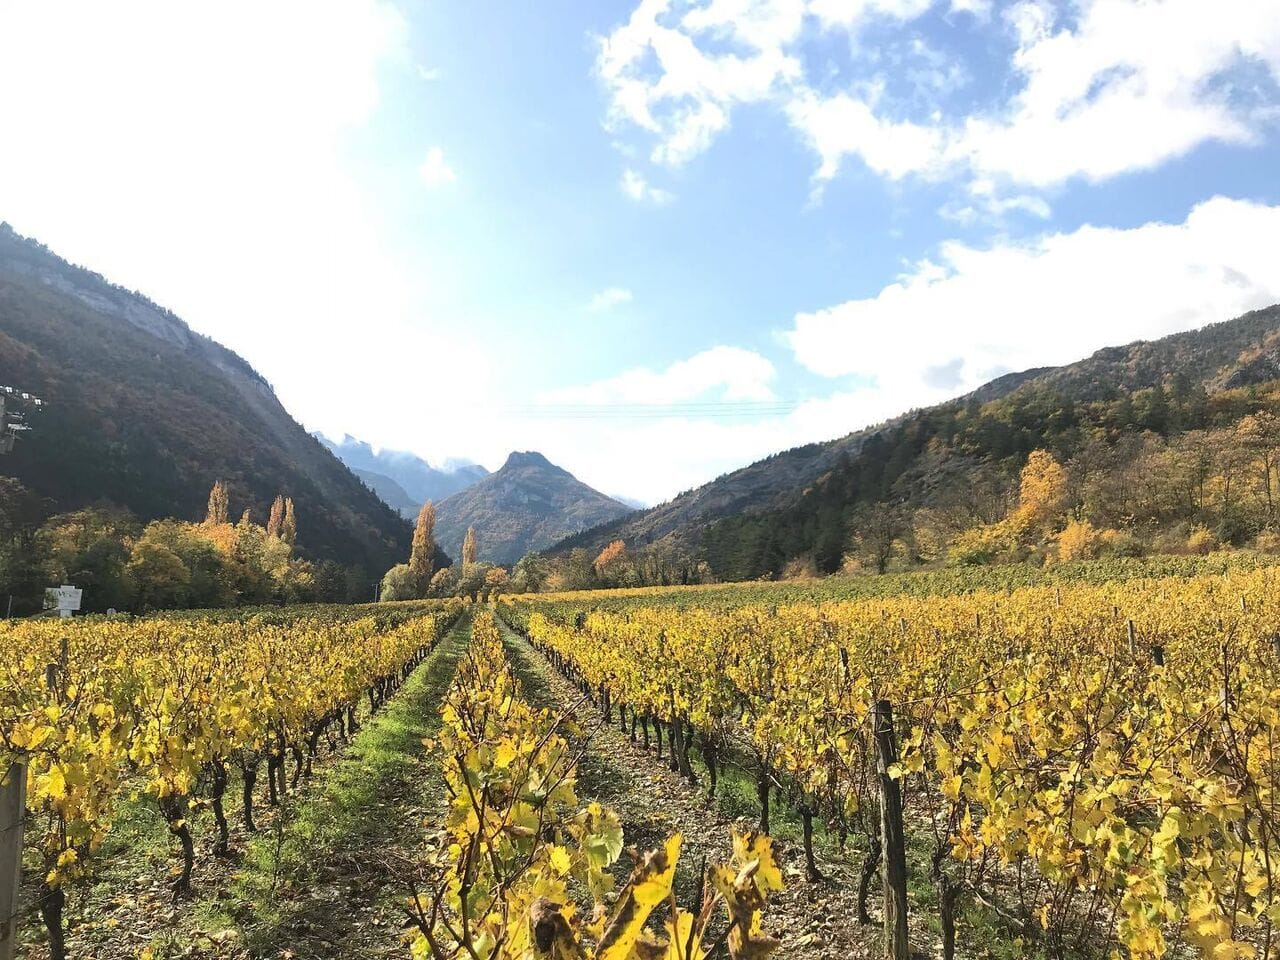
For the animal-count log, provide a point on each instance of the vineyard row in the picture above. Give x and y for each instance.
(1096, 764)
(97, 711)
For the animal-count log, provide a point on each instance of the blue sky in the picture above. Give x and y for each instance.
(655, 240)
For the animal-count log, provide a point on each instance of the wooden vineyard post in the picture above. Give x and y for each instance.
(893, 838)
(13, 801)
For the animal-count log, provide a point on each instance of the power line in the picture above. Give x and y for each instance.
(697, 409)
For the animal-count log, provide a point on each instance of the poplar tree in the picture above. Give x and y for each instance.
(289, 526)
(276, 518)
(219, 504)
(469, 548)
(422, 556)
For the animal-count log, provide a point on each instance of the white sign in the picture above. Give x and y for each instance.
(65, 598)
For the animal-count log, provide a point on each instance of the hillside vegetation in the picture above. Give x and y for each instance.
(144, 414)
(1170, 445)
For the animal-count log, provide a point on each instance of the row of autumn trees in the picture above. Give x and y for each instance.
(1200, 491)
(614, 566)
(419, 577)
(126, 565)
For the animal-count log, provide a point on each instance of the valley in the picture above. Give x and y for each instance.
(640, 480)
(985, 731)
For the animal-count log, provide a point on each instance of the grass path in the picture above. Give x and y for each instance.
(337, 887)
(319, 879)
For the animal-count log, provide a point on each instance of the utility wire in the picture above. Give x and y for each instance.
(651, 411)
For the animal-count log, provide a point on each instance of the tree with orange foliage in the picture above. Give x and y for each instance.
(422, 554)
(609, 556)
(1042, 496)
(469, 549)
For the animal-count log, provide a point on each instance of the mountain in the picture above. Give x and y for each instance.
(144, 413)
(750, 522)
(392, 494)
(527, 505)
(404, 480)
(632, 502)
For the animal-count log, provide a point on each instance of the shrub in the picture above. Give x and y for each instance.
(1079, 540)
(1121, 543)
(1268, 542)
(981, 545)
(399, 583)
(1201, 541)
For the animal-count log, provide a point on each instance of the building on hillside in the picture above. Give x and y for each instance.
(13, 423)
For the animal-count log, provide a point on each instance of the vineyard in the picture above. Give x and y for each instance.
(975, 763)
(1095, 764)
(516, 838)
(166, 707)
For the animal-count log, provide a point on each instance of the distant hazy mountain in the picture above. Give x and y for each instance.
(632, 502)
(527, 505)
(392, 494)
(404, 480)
(144, 413)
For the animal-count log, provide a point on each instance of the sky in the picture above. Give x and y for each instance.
(653, 239)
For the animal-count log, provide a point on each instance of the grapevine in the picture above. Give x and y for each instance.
(1094, 761)
(518, 844)
(161, 707)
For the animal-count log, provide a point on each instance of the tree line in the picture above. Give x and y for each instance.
(125, 564)
(1171, 469)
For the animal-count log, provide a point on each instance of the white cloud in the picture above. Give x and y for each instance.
(434, 171)
(609, 298)
(689, 100)
(722, 373)
(1045, 301)
(1096, 104)
(841, 125)
(1087, 100)
(429, 74)
(850, 14)
(635, 186)
(981, 9)
(985, 201)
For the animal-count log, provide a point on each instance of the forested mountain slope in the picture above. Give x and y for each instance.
(960, 459)
(144, 413)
